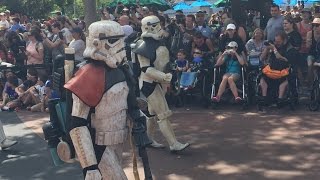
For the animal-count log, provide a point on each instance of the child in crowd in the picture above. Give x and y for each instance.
(188, 78)
(181, 62)
(39, 97)
(9, 94)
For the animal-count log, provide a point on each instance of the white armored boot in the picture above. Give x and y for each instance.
(5, 143)
(151, 127)
(167, 131)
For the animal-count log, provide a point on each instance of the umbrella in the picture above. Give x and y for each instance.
(181, 6)
(159, 4)
(200, 3)
(220, 3)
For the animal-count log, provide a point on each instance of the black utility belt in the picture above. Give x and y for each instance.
(148, 88)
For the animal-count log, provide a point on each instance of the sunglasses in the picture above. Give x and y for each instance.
(197, 52)
(316, 25)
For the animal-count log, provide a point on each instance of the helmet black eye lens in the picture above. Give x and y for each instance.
(112, 41)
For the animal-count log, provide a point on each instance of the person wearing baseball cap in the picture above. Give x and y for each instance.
(231, 35)
(233, 62)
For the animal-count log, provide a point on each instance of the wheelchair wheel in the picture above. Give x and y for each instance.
(314, 104)
(175, 85)
(204, 92)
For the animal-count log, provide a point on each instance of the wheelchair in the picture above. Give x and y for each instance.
(199, 83)
(315, 92)
(242, 85)
(291, 95)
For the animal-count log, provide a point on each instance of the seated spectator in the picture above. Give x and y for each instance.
(38, 94)
(181, 62)
(232, 61)
(9, 94)
(281, 55)
(23, 90)
(187, 78)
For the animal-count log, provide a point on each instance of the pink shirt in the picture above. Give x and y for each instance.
(34, 57)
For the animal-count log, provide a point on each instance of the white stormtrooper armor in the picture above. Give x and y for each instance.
(153, 58)
(105, 44)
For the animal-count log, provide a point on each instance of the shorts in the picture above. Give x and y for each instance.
(274, 82)
(235, 76)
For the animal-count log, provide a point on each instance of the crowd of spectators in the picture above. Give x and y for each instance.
(212, 36)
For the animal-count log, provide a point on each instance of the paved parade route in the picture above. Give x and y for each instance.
(226, 144)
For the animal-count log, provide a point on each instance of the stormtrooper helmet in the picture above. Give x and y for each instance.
(105, 43)
(151, 27)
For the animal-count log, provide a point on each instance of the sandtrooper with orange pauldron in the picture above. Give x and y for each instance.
(153, 57)
(102, 100)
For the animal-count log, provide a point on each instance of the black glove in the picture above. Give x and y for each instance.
(139, 132)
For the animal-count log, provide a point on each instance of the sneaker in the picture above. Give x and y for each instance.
(216, 99)
(7, 143)
(5, 108)
(238, 99)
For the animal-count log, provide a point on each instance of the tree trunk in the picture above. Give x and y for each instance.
(90, 11)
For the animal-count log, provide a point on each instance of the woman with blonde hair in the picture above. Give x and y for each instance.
(255, 46)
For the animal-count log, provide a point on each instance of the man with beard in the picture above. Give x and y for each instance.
(281, 55)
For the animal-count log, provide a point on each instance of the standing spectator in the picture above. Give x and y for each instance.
(16, 25)
(3, 38)
(78, 44)
(290, 28)
(188, 33)
(304, 27)
(231, 35)
(201, 25)
(56, 44)
(203, 44)
(313, 39)
(3, 52)
(256, 20)
(275, 23)
(65, 26)
(3, 21)
(34, 49)
(255, 47)
(17, 47)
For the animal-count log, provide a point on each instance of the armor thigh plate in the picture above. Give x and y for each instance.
(157, 104)
(110, 119)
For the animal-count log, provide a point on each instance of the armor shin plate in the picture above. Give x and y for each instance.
(151, 128)
(110, 164)
(167, 131)
(2, 134)
(83, 145)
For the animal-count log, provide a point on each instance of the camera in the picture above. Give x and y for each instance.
(267, 43)
(180, 19)
(60, 34)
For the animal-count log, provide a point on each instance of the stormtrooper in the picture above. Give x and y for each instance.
(153, 57)
(102, 98)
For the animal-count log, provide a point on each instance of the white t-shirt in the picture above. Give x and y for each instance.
(67, 35)
(79, 46)
(5, 23)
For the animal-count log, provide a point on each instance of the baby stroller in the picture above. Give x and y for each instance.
(195, 82)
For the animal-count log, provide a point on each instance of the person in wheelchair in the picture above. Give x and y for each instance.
(233, 62)
(188, 78)
(279, 56)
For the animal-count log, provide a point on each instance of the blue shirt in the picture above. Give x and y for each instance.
(232, 65)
